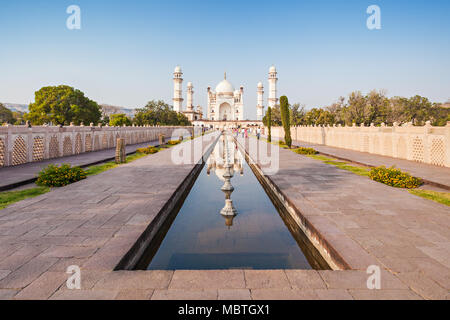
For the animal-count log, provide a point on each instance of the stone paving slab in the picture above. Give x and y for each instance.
(369, 224)
(428, 172)
(12, 176)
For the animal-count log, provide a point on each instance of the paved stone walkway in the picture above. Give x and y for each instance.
(94, 222)
(433, 174)
(369, 223)
(26, 173)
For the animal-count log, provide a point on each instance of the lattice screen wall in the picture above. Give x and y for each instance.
(20, 144)
(38, 149)
(19, 155)
(425, 144)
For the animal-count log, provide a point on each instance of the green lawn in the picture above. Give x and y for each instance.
(135, 156)
(441, 197)
(110, 165)
(10, 197)
(362, 171)
(100, 168)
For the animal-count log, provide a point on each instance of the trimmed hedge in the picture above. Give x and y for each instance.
(394, 177)
(54, 176)
(302, 150)
(148, 150)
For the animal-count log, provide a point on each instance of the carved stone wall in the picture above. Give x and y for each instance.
(20, 144)
(425, 144)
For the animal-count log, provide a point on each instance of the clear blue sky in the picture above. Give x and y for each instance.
(126, 51)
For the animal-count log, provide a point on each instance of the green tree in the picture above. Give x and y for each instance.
(19, 118)
(118, 120)
(269, 124)
(105, 120)
(354, 112)
(6, 115)
(275, 116)
(160, 113)
(418, 110)
(441, 115)
(62, 105)
(325, 118)
(312, 116)
(284, 108)
(297, 114)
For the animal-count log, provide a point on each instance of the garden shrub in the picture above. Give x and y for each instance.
(173, 142)
(148, 150)
(302, 150)
(394, 177)
(54, 176)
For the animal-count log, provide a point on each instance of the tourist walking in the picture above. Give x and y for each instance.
(258, 132)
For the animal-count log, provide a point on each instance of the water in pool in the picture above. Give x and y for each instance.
(237, 227)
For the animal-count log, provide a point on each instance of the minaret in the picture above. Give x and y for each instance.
(273, 99)
(178, 89)
(208, 108)
(260, 104)
(241, 103)
(190, 97)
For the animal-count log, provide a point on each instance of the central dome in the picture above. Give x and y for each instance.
(225, 87)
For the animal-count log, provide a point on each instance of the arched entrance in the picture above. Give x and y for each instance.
(225, 111)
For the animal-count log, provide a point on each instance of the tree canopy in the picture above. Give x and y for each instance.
(62, 105)
(275, 116)
(6, 115)
(159, 113)
(374, 108)
(119, 119)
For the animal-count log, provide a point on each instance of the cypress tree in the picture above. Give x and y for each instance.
(284, 110)
(269, 124)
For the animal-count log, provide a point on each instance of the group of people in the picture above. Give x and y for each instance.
(246, 131)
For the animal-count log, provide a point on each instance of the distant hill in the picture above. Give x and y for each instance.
(107, 109)
(16, 107)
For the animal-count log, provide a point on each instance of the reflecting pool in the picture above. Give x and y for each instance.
(228, 221)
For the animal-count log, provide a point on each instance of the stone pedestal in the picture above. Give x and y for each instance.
(162, 139)
(120, 151)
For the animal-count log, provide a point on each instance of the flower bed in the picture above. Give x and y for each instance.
(173, 142)
(54, 176)
(148, 150)
(302, 150)
(394, 177)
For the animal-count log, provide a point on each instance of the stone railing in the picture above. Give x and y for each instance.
(425, 144)
(21, 144)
